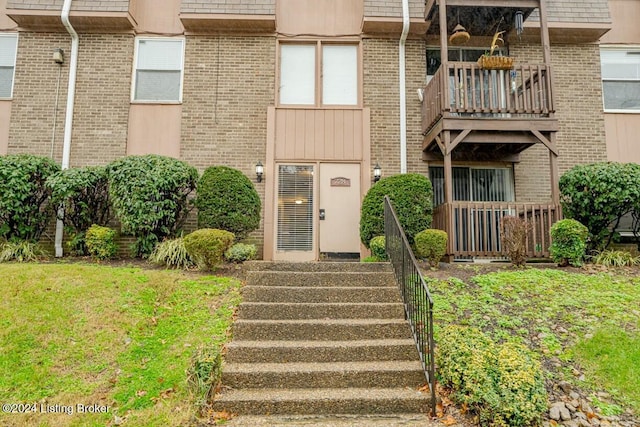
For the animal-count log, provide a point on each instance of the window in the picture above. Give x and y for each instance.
(474, 184)
(621, 79)
(158, 70)
(337, 83)
(8, 45)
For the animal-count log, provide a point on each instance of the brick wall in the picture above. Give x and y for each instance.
(393, 8)
(84, 5)
(578, 100)
(102, 97)
(382, 96)
(229, 83)
(243, 7)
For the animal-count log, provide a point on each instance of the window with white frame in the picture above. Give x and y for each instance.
(337, 82)
(8, 46)
(158, 70)
(620, 79)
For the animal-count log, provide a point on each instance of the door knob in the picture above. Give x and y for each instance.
(321, 214)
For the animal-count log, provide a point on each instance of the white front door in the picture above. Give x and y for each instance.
(339, 208)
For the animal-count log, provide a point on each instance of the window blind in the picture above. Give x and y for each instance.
(295, 208)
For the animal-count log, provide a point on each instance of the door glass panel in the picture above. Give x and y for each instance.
(295, 208)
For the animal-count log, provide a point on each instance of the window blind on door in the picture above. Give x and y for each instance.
(295, 208)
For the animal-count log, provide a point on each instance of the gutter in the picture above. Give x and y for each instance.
(403, 88)
(68, 124)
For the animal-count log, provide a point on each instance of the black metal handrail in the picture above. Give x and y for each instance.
(418, 304)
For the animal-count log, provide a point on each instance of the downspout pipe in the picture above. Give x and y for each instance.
(403, 88)
(68, 123)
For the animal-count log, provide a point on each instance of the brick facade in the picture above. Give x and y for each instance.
(102, 97)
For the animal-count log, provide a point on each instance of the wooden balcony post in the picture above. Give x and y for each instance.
(544, 32)
(553, 166)
(444, 56)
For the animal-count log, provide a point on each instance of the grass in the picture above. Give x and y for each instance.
(590, 322)
(118, 337)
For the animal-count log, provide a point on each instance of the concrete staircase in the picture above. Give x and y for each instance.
(321, 338)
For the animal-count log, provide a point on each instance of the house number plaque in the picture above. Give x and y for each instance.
(340, 182)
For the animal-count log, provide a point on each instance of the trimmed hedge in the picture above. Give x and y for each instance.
(150, 197)
(569, 242)
(25, 199)
(411, 195)
(206, 246)
(227, 200)
(431, 244)
(378, 248)
(101, 242)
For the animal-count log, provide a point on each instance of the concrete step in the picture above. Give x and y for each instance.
(359, 374)
(322, 401)
(320, 351)
(351, 294)
(320, 330)
(349, 267)
(328, 278)
(339, 310)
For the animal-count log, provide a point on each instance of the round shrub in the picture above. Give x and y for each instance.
(431, 244)
(84, 193)
(227, 200)
(25, 199)
(569, 242)
(150, 197)
(207, 245)
(241, 252)
(100, 242)
(411, 196)
(598, 195)
(378, 248)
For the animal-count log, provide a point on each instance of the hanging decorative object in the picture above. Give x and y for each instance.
(519, 22)
(459, 35)
(491, 62)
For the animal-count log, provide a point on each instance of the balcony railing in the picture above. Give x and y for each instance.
(525, 91)
(474, 227)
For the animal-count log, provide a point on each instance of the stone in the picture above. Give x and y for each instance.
(574, 395)
(554, 413)
(565, 414)
(565, 386)
(570, 423)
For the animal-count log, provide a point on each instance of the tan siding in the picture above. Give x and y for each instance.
(385, 8)
(154, 129)
(329, 17)
(84, 5)
(159, 16)
(622, 131)
(242, 7)
(5, 117)
(319, 134)
(6, 23)
(624, 17)
(578, 11)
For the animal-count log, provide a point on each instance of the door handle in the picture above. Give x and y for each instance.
(322, 215)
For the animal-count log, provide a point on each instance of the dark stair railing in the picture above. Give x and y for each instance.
(418, 304)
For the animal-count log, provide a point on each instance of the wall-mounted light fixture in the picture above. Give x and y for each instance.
(58, 56)
(259, 171)
(377, 173)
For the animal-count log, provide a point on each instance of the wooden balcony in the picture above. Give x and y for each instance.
(474, 227)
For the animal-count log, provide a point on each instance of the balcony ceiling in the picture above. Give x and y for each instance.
(478, 20)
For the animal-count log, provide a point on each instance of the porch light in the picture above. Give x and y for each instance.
(519, 22)
(58, 56)
(377, 173)
(259, 171)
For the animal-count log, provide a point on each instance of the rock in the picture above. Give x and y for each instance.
(581, 415)
(118, 421)
(595, 422)
(584, 423)
(574, 395)
(554, 413)
(581, 377)
(570, 423)
(575, 403)
(565, 414)
(565, 386)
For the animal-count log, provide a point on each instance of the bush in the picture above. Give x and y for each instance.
(568, 242)
(502, 383)
(84, 193)
(241, 252)
(25, 200)
(207, 245)
(431, 244)
(150, 197)
(172, 254)
(100, 242)
(371, 258)
(411, 195)
(378, 248)
(610, 258)
(21, 251)
(228, 201)
(598, 195)
(513, 233)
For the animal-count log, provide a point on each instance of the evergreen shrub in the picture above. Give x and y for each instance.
(101, 242)
(25, 199)
(568, 242)
(431, 244)
(207, 246)
(241, 252)
(150, 196)
(378, 248)
(227, 200)
(411, 196)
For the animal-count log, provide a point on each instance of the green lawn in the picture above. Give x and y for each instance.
(588, 322)
(120, 338)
